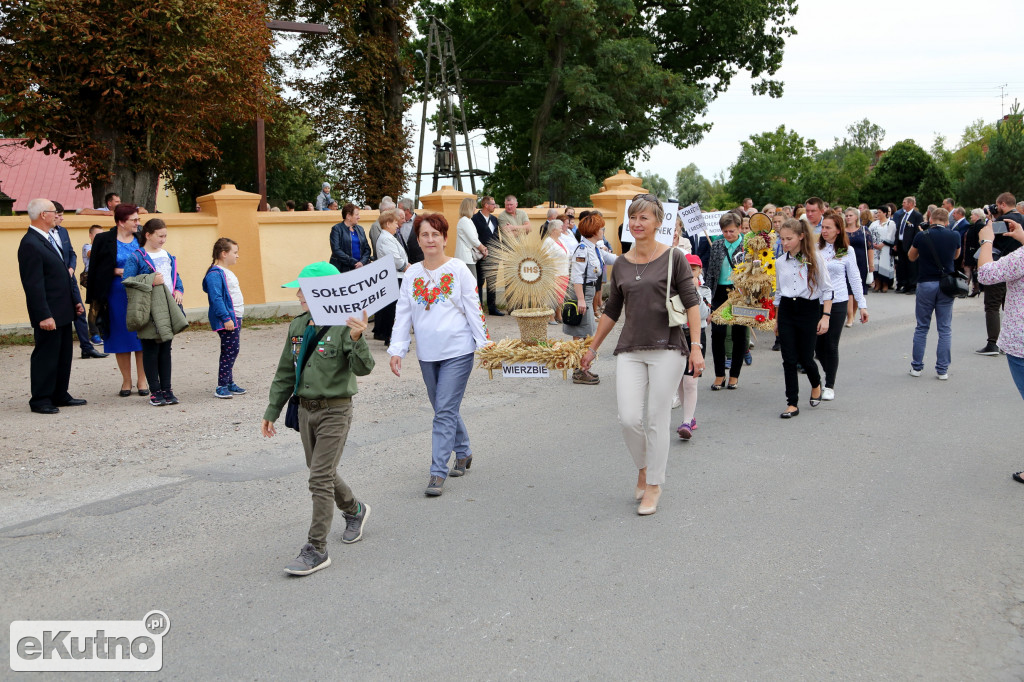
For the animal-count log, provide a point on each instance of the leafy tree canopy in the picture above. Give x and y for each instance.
(771, 167)
(131, 89)
(1002, 168)
(600, 81)
(692, 187)
(656, 185)
(898, 173)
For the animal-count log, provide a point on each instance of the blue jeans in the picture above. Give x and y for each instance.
(930, 298)
(1017, 371)
(446, 384)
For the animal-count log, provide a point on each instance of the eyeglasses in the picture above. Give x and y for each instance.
(54, 212)
(649, 197)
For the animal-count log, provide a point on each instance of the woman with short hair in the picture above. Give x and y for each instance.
(586, 267)
(350, 249)
(438, 302)
(883, 236)
(387, 246)
(651, 355)
(863, 249)
(111, 251)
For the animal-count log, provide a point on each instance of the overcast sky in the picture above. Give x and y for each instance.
(915, 69)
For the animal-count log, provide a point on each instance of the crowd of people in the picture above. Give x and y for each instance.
(827, 259)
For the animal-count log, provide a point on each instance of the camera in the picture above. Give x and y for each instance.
(993, 211)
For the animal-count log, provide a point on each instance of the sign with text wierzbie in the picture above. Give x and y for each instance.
(335, 298)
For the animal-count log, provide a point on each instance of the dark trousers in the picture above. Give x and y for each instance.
(718, 332)
(82, 329)
(798, 334)
(384, 322)
(995, 298)
(906, 271)
(827, 345)
(230, 339)
(50, 366)
(156, 361)
(487, 273)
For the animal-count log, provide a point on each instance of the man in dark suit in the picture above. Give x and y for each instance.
(53, 300)
(908, 223)
(71, 261)
(486, 272)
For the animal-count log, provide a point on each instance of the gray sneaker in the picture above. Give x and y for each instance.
(354, 524)
(308, 561)
(582, 376)
(434, 487)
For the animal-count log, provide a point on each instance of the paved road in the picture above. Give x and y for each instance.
(874, 537)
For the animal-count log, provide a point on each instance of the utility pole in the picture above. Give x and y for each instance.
(1002, 100)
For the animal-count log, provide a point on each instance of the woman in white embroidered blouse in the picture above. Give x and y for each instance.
(841, 262)
(440, 302)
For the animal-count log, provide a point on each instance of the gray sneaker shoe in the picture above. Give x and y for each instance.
(354, 524)
(435, 486)
(308, 561)
(582, 376)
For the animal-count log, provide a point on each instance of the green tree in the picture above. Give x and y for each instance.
(599, 81)
(692, 187)
(771, 167)
(296, 161)
(356, 90)
(656, 185)
(934, 185)
(1002, 168)
(865, 136)
(898, 174)
(131, 90)
(837, 175)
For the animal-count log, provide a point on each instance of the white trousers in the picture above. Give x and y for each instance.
(645, 383)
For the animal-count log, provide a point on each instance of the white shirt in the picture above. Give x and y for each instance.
(387, 245)
(791, 280)
(235, 291)
(561, 255)
(466, 240)
(46, 236)
(162, 262)
(443, 308)
(845, 274)
(569, 240)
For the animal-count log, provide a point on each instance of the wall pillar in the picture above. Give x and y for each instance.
(446, 202)
(611, 202)
(237, 219)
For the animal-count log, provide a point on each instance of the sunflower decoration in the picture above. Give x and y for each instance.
(754, 278)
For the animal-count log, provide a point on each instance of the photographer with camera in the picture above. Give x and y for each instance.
(1007, 272)
(1001, 214)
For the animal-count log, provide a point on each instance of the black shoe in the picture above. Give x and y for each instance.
(354, 524)
(910, 291)
(170, 398)
(143, 391)
(93, 353)
(1017, 477)
(789, 415)
(157, 400)
(816, 401)
(777, 346)
(495, 312)
(73, 402)
(125, 392)
(989, 349)
(308, 561)
(45, 409)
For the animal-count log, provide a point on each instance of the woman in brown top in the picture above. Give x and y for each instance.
(651, 355)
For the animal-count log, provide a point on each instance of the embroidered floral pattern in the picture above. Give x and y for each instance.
(424, 295)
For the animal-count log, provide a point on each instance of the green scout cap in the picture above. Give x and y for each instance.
(321, 269)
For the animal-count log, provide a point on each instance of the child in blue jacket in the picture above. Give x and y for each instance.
(226, 308)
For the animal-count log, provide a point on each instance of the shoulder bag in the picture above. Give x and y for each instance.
(950, 283)
(674, 304)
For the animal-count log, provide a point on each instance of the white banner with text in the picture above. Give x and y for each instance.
(335, 298)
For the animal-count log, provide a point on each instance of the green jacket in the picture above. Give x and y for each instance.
(330, 371)
(152, 310)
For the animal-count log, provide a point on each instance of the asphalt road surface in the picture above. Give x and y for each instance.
(874, 537)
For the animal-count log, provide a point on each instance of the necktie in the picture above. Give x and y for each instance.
(55, 244)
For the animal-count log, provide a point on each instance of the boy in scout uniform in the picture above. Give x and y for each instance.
(331, 358)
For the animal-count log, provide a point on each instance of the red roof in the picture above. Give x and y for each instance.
(27, 174)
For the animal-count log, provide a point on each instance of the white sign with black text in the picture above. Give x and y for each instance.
(666, 232)
(711, 221)
(335, 298)
(524, 370)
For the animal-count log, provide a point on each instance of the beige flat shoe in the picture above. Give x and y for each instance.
(639, 493)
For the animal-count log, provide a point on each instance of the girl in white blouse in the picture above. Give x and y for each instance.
(803, 299)
(439, 301)
(841, 263)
